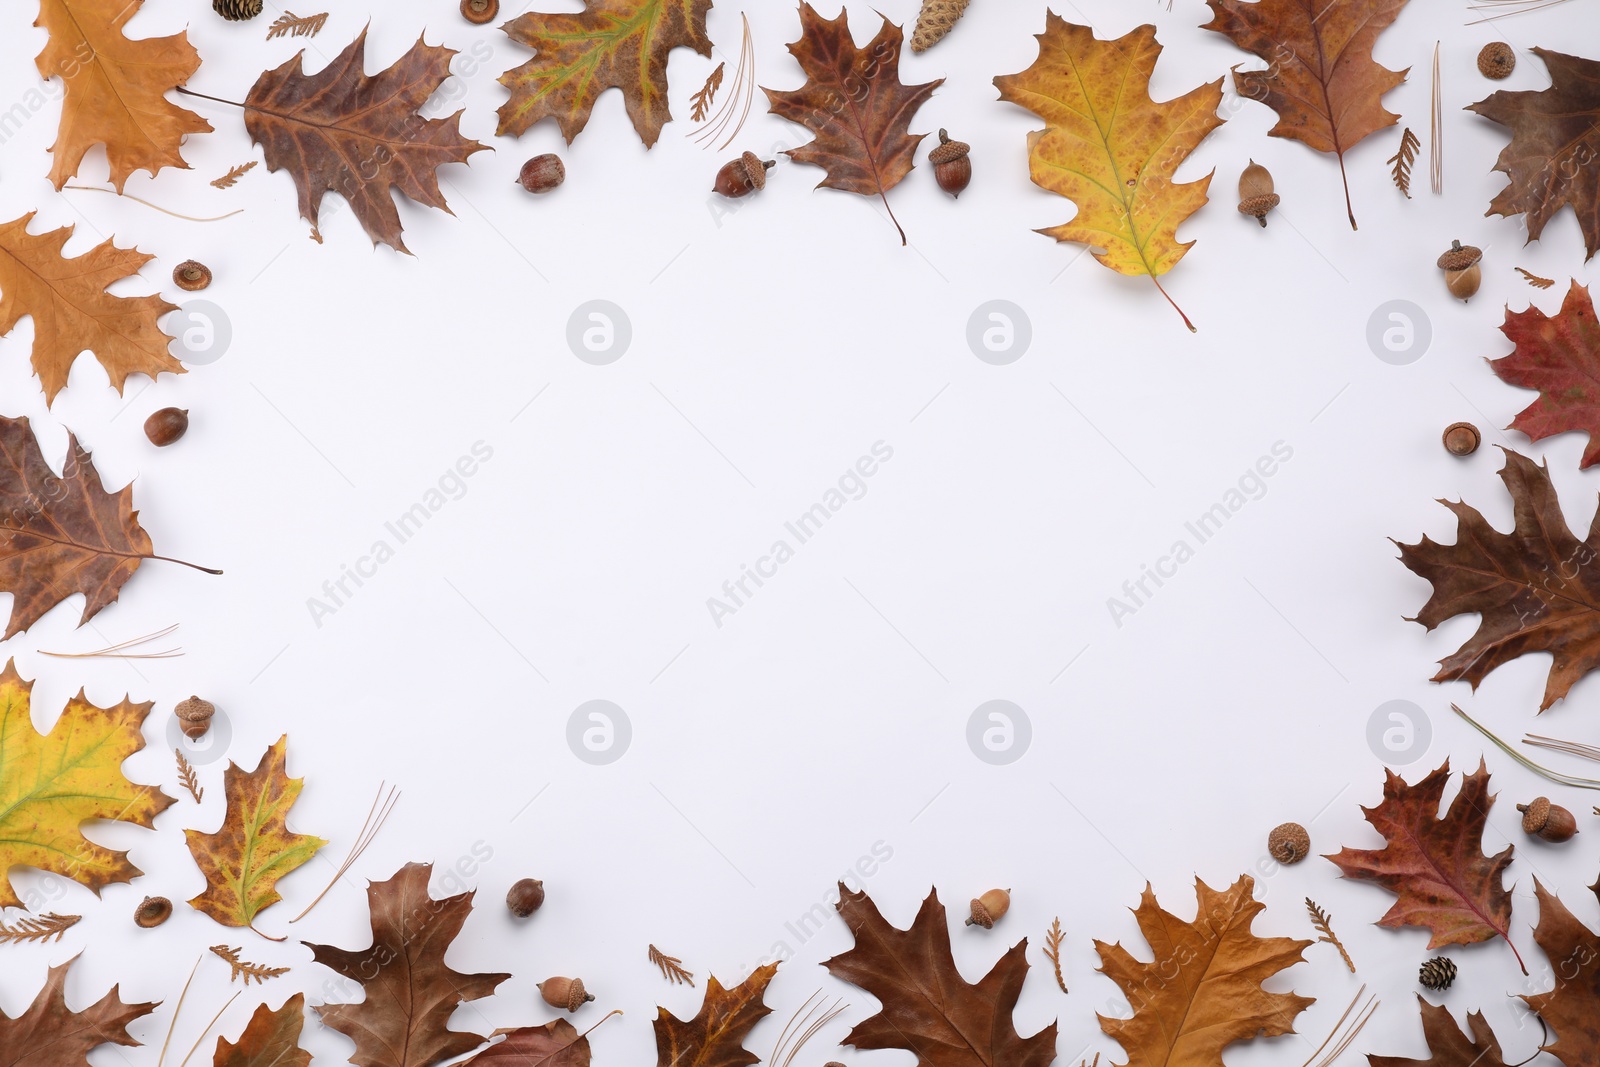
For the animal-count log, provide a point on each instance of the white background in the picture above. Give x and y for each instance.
(771, 348)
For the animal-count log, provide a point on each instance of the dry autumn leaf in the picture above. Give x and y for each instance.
(1560, 357)
(1201, 992)
(50, 1034)
(1537, 589)
(71, 310)
(1436, 867)
(1448, 1045)
(1555, 141)
(1320, 78)
(928, 1008)
(855, 103)
(411, 992)
(610, 44)
(271, 1039)
(54, 783)
(1111, 149)
(553, 1044)
(1572, 1008)
(715, 1036)
(243, 861)
(114, 89)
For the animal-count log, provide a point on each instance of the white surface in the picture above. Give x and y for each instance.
(771, 351)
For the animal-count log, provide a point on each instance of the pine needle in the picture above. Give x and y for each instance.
(1571, 748)
(1543, 772)
(1402, 160)
(196, 1046)
(707, 96)
(178, 1010)
(1344, 1042)
(1514, 7)
(1534, 280)
(187, 775)
(44, 928)
(228, 180)
(119, 650)
(382, 806)
(146, 203)
(291, 25)
(744, 90)
(1436, 136)
(804, 1027)
(1052, 950)
(258, 972)
(1324, 925)
(671, 967)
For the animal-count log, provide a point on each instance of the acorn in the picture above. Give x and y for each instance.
(565, 993)
(1289, 843)
(1462, 273)
(194, 716)
(152, 912)
(989, 908)
(191, 276)
(166, 426)
(1497, 60)
(1461, 438)
(1550, 822)
(542, 173)
(525, 897)
(479, 12)
(743, 176)
(952, 165)
(1256, 197)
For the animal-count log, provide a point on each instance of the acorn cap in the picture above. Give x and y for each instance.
(948, 151)
(191, 276)
(756, 168)
(1497, 60)
(1259, 205)
(1535, 815)
(1462, 438)
(1289, 843)
(1459, 256)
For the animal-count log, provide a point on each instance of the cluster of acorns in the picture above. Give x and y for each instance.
(568, 994)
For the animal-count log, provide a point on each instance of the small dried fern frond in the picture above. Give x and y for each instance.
(1534, 280)
(1324, 925)
(671, 967)
(257, 972)
(1401, 161)
(289, 24)
(228, 180)
(187, 775)
(1052, 950)
(707, 96)
(49, 927)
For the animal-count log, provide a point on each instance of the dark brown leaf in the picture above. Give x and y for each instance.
(1572, 1008)
(49, 1034)
(1448, 1045)
(554, 1044)
(715, 1037)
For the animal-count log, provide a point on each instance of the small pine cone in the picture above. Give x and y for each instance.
(936, 19)
(1437, 974)
(237, 10)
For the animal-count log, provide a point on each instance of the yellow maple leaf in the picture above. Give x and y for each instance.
(1110, 148)
(244, 859)
(51, 784)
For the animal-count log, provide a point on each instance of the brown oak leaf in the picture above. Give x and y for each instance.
(855, 103)
(1450, 1047)
(50, 1034)
(928, 1009)
(1320, 77)
(1554, 155)
(362, 137)
(115, 89)
(1537, 588)
(1572, 1008)
(1560, 357)
(271, 1039)
(553, 1044)
(1201, 992)
(411, 992)
(1436, 867)
(715, 1036)
(610, 44)
(72, 312)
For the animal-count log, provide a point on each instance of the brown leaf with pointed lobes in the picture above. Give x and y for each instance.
(340, 131)
(715, 1036)
(554, 1044)
(1537, 588)
(50, 1034)
(1448, 1045)
(1554, 156)
(271, 1039)
(1572, 1008)
(1560, 357)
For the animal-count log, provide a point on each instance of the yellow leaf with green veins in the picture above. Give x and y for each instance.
(51, 784)
(1111, 149)
(243, 860)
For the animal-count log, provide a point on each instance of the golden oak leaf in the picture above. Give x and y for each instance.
(73, 313)
(855, 103)
(244, 860)
(1320, 78)
(50, 1034)
(1572, 1008)
(1110, 148)
(51, 784)
(115, 89)
(715, 1036)
(362, 137)
(1448, 1045)
(271, 1039)
(1202, 990)
(610, 44)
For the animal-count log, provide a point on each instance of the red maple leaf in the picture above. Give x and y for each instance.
(1559, 356)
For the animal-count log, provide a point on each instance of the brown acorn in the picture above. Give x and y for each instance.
(525, 897)
(194, 715)
(1461, 438)
(1289, 843)
(166, 426)
(565, 993)
(743, 176)
(191, 276)
(1462, 274)
(1548, 821)
(152, 912)
(952, 165)
(989, 908)
(1497, 60)
(542, 173)
(1256, 196)
(479, 12)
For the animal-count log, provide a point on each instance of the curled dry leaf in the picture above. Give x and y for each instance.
(50, 1034)
(1572, 1008)
(1559, 356)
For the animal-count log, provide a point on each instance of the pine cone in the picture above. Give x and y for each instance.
(1437, 974)
(237, 10)
(934, 21)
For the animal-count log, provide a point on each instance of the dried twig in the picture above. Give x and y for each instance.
(146, 203)
(382, 806)
(1538, 283)
(1544, 772)
(1324, 925)
(804, 1027)
(187, 775)
(707, 96)
(735, 103)
(1436, 134)
(671, 967)
(228, 180)
(289, 24)
(44, 928)
(1402, 160)
(1052, 950)
(119, 650)
(258, 972)
(1344, 1042)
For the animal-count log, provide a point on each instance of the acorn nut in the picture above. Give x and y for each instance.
(1497, 60)
(1462, 274)
(743, 176)
(1256, 196)
(479, 12)
(565, 993)
(191, 276)
(525, 897)
(166, 426)
(1289, 843)
(152, 912)
(542, 173)
(1548, 821)
(989, 908)
(1461, 438)
(952, 164)
(194, 717)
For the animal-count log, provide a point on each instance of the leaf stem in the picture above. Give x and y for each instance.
(1174, 304)
(186, 563)
(1349, 210)
(203, 96)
